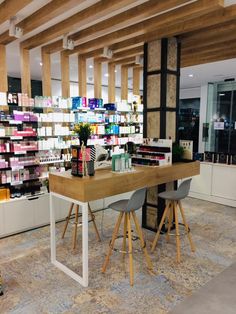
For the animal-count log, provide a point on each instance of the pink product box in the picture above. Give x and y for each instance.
(3, 163)
(26, 146)
(2, 148)
(25, 132)
(84, 101)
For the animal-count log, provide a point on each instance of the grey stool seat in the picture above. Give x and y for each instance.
(173, 199)
(127, 208)
(134, 203)
(179, 194)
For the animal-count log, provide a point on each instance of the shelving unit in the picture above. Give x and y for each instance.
(52, 154)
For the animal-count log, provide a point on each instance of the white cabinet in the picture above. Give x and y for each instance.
(1, 221)
(42, 210)
(216, 183)
(224, 182)
(202, 182)
(18, 215)
(23, 214)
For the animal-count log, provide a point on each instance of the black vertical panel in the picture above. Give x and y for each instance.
(14, 86)
(164, 47)
(145, 69)
(177, 89)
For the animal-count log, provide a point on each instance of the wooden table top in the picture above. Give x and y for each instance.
(107, 183)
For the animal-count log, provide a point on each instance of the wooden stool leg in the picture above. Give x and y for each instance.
(177, 232)
(94, 223)
(186, 227)
(67, 220)
(114, 236)
(170, 221)
(143, 245)
(159, 228)
(131, 270)
(124, 235)
(76, 225)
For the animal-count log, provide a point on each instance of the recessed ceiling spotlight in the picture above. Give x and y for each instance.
(106, 74)
(190, 75)
(221, 94)
(41, 63)
(90, 66)
(115, 71)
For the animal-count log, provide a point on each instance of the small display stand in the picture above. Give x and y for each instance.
(153, 153)
(82, 161)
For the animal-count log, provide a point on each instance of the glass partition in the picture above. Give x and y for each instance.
(221, 117)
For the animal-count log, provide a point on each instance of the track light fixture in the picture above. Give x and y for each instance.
(107, 53)
(67, 43)
(15, 31)
(139, 60)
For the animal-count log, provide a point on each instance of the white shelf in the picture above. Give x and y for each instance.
(51, 162)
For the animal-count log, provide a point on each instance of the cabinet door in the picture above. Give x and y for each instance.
(42, 209)
(1, 220)
(19, 215)
(224, 181)
(202, 182)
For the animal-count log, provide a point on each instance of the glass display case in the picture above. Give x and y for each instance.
(221, 118)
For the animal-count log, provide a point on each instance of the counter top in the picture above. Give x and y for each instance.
(107, 183)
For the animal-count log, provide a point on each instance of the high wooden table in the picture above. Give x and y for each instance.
(105, 183)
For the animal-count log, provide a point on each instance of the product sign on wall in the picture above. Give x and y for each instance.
(219, 125)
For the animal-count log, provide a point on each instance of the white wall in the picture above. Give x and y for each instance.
(186, 93)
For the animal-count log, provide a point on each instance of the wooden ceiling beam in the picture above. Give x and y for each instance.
(211, 48)
(125, 61)
(209, 38)
(9, 8)
(127, 18)
(41, 16)
(74, 22)
(128, 53)
(161, 24)
(208, 58)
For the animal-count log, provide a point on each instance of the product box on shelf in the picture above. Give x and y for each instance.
(110, 106)
(3, 99)
(79, 102)
(12, 98)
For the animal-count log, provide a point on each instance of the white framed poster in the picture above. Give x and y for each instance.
(219, 125)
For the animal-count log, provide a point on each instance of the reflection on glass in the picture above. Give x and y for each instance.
(188, 122)
(221, 116)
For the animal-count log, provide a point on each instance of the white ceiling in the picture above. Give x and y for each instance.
(201, 74)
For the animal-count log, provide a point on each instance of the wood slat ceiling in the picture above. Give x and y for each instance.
(204, 27)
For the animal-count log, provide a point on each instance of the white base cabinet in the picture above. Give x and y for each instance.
(19, 215)
(216, 183)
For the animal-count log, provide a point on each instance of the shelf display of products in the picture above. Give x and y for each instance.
(36, 134)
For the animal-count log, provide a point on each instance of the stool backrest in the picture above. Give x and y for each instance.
(184, 188)
(137, 199)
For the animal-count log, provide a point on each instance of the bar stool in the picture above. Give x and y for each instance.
(127, 208)
(76, 223)
(173, 199)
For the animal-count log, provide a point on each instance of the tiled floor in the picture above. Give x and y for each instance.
(33, 285)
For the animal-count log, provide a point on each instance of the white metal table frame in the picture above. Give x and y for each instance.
(83, 280)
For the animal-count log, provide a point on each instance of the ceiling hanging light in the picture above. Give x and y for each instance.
(139, 60)
(67, 43)
(15, 31)
(107, 53)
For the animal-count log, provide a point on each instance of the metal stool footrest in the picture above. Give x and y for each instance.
(134, 238)
(181, 234)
